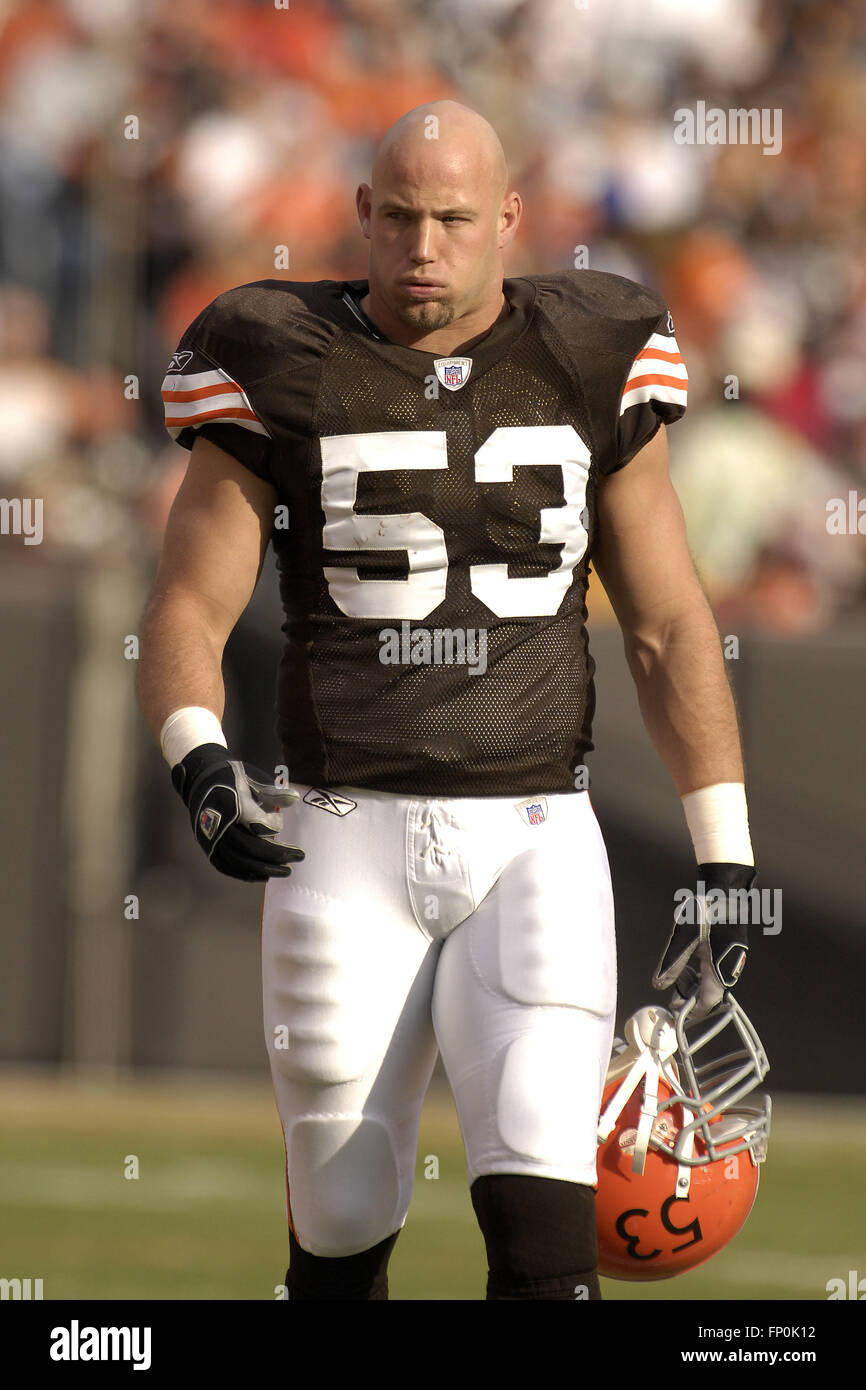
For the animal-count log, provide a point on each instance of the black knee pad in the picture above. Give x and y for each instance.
(540, 1235)
(361, 1276)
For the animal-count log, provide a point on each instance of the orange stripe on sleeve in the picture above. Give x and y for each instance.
(680, 382)
(659, 352)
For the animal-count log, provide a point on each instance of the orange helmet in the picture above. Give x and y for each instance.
(679, 1151)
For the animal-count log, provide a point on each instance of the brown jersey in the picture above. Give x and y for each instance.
(435, 517)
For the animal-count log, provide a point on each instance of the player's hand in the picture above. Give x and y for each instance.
(709, 943)
(235, 811)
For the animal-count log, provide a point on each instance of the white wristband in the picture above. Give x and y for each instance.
(718, 821)
(186, 729)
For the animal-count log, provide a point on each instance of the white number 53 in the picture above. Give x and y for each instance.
(346, 456)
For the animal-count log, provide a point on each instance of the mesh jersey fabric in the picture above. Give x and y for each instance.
(564, 390)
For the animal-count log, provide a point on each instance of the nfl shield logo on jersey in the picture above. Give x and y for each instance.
(453, 372)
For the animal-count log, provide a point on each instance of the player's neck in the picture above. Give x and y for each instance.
(462, 332)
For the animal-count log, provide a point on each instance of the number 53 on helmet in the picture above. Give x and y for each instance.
(679, 1147)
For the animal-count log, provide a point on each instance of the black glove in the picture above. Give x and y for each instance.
(235, 812)
(709, 943)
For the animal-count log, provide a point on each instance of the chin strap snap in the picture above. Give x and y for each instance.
(684, 1170)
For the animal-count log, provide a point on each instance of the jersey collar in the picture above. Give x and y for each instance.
(520, 294)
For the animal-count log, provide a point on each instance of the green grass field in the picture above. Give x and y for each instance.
(205, 1218)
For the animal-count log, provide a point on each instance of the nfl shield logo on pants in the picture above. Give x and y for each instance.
(533, 812)
(453, 372)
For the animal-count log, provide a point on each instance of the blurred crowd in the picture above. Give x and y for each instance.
(153, 154)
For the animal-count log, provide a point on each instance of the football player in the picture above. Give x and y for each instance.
(437, 453)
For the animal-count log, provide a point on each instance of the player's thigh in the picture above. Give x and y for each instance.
(340, 947)
(524, 1007)
(347, 1010)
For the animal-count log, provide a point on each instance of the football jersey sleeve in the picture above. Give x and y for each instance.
(202, 398)
(655, 391)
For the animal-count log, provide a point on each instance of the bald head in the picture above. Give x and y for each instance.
(438, 215)
(439, 137)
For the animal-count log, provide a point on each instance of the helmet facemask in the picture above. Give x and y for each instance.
(705, 1086)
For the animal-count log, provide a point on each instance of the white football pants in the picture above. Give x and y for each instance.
(417, 923)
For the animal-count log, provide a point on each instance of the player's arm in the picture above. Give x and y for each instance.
(214, 547)
(674, 653)
(215, 542)
(671, 641)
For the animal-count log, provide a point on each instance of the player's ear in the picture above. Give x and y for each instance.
(509, 218)
(364, 204)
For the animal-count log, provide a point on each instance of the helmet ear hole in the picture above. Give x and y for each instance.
(679, 1152)
(642, 1029)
